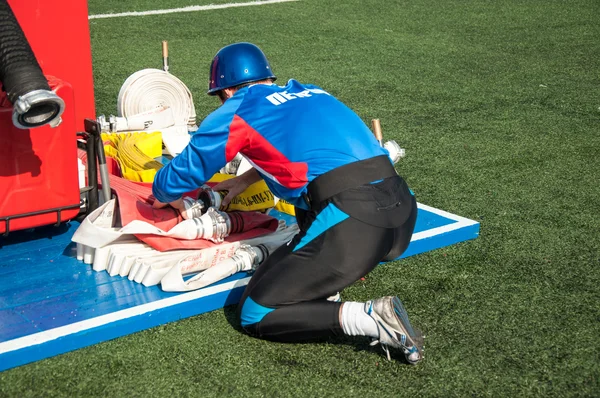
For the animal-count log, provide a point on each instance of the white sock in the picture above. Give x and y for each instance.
(356, 322)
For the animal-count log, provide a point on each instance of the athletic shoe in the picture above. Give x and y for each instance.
(395, 329)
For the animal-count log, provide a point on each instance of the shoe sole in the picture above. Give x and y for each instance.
(414, 338)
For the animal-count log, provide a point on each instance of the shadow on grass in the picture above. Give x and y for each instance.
(231, 317)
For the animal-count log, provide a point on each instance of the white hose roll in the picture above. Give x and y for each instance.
(148, 89)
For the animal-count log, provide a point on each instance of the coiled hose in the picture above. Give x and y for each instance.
(147, 89)
(21, 76)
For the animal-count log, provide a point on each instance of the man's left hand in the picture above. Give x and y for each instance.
(176, 204)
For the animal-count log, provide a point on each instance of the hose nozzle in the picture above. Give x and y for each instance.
(37, 108)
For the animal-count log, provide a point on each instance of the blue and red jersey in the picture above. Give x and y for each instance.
(291, 134)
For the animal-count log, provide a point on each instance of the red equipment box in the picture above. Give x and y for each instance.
(39, 178)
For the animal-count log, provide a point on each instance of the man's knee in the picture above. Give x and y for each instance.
(251, 330)
(250, 313)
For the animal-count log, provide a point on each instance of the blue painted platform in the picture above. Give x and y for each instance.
(50, 303)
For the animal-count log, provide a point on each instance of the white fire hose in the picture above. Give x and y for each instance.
(155, 119)
(247, 256)
(142, 264)
(154, 100)
(118, 252)
(97, 229)
(148, 89)
(213, 225)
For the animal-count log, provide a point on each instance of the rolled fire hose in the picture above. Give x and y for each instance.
(154, 100)
(34, 104)
(149, 89)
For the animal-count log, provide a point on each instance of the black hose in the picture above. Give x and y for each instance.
(20, 73)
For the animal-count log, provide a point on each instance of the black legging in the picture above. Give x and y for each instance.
(288, 292)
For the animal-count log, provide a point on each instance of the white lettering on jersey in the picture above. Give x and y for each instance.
(284, 96)
(287, 95)
(276, 99)
(303, 94)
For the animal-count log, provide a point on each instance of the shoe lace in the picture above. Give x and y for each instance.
(384, 347)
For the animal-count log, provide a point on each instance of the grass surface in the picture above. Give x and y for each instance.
(498, 107)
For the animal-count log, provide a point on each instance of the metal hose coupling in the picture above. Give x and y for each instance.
(214, 225)
(211, 198)
(157, 118)
(248, 258)
(109, 124)
(193, 208)
(37, 108)
(232, 166)
(207, 198)
(396, 153)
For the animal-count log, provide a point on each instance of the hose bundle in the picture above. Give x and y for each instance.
(135, 153)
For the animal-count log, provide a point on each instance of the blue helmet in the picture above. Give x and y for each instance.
(236, 64)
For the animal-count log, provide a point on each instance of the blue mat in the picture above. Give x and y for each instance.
(50, 303)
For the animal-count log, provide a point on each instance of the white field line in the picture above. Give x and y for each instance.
(461, 222)
(92, 323)
(187, 9)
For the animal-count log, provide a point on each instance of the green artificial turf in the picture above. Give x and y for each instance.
(497, 104)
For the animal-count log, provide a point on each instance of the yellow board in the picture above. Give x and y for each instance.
(257, 197)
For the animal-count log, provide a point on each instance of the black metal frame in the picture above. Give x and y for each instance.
(93, 138)
(58, 210)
